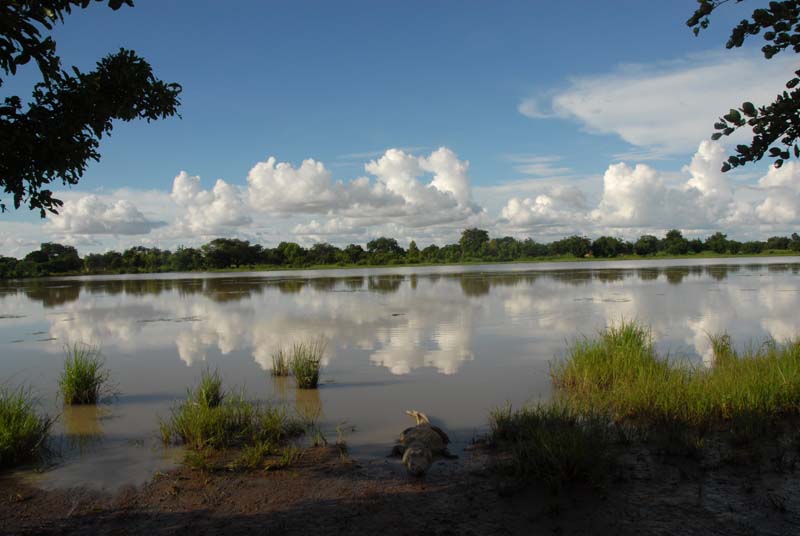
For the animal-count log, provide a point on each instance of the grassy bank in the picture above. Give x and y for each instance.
(615, 389)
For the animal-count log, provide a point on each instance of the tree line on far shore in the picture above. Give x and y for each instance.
(475, 245)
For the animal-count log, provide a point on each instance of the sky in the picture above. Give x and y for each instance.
(343, 121)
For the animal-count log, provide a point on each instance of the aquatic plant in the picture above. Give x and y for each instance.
(280, 363)
(553, 443)
(306, 363)
(84, 378)
(211, 418)
(23, 430)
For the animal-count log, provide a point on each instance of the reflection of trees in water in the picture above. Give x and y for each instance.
(52, 293)
(290, 286)
(232, 289)
(611, 276)
(354, 283)
(475, 285)
(324, 283)
(647, 274)
(388, 283)
(676, 275)
(82, 426)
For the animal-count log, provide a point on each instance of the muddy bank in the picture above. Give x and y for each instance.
(326, 494)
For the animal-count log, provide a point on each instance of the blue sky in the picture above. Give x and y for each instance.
(543, 99)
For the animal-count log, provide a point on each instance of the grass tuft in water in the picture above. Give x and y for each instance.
(280, 363)
(553, 444)
(211, 418)
(306, 363)
(84, 378)
(23, 431)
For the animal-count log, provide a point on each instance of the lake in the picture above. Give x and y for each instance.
(452, 341)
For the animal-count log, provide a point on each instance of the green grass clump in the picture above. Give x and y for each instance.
(553, 444)
(211, 418)
(620, 374)
(280, 363)
(306, 363)
(84, 378)
(23, 431)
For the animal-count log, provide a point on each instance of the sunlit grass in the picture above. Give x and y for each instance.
(23, 430)
(619, 373)
(84, 378)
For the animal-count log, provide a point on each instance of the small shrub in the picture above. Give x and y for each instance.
(23, 431)
(84, 378)
(307, 363)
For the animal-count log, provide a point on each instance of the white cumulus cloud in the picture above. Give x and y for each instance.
(93, 215)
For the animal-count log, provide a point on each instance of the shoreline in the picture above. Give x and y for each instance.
(335, 267)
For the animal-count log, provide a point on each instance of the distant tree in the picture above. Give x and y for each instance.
(472, 240)
(430, 253)
(696, 246)
(752, 247)
(718, 243)
(290, 253)
(227, 252)
(55, 135)
(384, 245)
(579, 246)
(353, 254)
(646, 245)
(675, 243)
(186, 259)
(606, 246)
(778, 242)
(53, 258)
(794, 245)
(322, 253)
(412, 254)
(778, 122)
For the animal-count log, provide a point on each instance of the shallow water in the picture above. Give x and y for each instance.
(451, 341)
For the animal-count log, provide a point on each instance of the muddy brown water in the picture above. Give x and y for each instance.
(452, 341)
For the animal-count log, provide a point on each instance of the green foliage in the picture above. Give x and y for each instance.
(23, 431)
(306, 363)
(553, 444)
(84, 378)
(472, 240)
(619, 374)
(222, 254)
(775, 123)
(211, 418)
(280, 363)
(54, 135)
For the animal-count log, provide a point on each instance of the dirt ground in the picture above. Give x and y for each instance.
(326, 494)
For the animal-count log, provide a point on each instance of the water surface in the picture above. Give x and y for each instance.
(451, 341)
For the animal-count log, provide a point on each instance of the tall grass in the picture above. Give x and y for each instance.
(84, 378)
(306, 363)
(280, 363)
(23, 431)
(211, 418)
(620, 374)
(553, 443)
